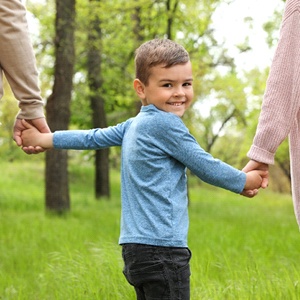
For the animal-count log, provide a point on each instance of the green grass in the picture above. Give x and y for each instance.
(242, 248)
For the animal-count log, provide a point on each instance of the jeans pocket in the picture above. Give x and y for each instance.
(139, 273)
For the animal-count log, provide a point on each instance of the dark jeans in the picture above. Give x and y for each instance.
(157, 273)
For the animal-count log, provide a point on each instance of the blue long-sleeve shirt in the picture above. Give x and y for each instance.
(156, 149)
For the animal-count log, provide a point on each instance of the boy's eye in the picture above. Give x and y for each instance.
(187, 84)
(167, 85)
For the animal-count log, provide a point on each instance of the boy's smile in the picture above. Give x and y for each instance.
(169, 89)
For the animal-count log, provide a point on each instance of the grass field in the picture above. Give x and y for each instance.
(242, 248)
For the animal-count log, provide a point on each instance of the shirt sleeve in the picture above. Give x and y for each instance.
(92, 139)
(281, 100)
(175, 139)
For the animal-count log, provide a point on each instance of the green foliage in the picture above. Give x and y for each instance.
(256, 82)
(227, 104)
(242, 248)
(272, 27)
(8, 111)
(123, 29)
(43, 40)
(220, 115)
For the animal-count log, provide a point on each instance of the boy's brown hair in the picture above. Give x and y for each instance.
(156, 52)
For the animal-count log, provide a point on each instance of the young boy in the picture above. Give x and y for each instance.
(156, 149)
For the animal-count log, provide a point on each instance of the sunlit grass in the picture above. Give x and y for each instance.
(242, 248)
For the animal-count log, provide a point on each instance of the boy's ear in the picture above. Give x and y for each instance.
(139, 88)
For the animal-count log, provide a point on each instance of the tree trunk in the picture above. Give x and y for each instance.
(58, 107)
(170, 13)
(138, 30)
(102, 186)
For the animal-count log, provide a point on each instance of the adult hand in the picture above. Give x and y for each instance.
(255, 165)
(39, 123)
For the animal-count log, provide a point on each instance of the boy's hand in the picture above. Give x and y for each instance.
(254, 181)
(249, 193)
(32, 138)
(40, 124)
(255, 165)
(29, 135)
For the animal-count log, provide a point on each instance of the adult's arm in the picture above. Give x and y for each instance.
(282, 96)
(17, 60)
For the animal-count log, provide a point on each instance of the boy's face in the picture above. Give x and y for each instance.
(169, 89)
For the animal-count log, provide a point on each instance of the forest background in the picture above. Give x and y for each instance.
(242, 248)
(85, 51)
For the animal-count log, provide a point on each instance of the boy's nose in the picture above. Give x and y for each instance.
(179, 92)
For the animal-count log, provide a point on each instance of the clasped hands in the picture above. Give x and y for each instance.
(253, 165)
(39, 123)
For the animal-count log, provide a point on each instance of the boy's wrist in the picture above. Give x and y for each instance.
(46, 140)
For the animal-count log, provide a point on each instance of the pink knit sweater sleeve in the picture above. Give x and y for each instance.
(282, 96)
